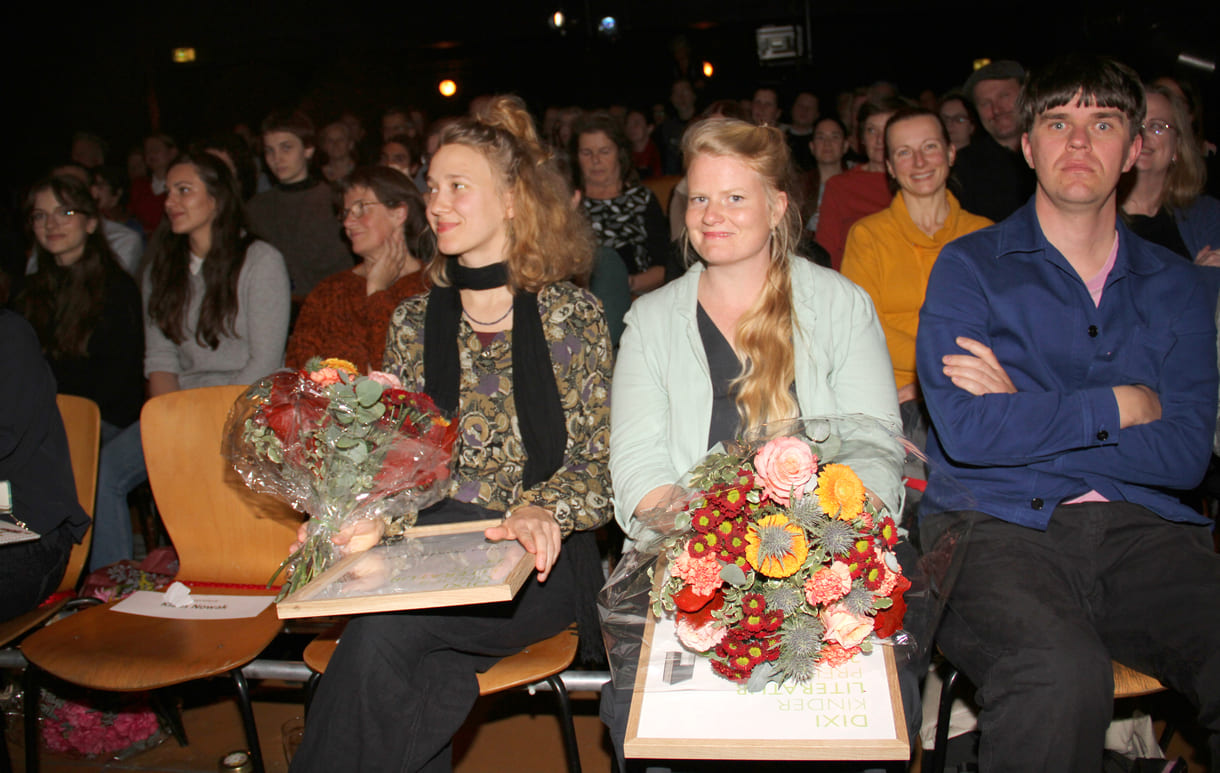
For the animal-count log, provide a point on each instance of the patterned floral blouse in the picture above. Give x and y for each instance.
(491, 454)
(634, 225)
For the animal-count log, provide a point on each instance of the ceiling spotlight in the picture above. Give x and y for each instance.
(184, 55)
(557, 20)
(447, 88)
(608, 27)
(708, 69)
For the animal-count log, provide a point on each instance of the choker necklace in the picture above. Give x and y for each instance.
(481, 278)
(496, 321)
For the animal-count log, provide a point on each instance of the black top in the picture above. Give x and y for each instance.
(991, 180)
(111, 373)
(33, 446)
(1160, 229)
(723, 365)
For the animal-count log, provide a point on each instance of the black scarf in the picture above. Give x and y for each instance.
(539, 412)
(539, 415)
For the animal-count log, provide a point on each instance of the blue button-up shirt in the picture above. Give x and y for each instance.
(1058, 437)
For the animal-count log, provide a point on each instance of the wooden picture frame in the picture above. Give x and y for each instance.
(442, 565)
(780, 731)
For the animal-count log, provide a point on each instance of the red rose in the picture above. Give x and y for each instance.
(411, 463)
(889, 620)
(288, 419)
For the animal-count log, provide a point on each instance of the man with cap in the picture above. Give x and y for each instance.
(994, 179)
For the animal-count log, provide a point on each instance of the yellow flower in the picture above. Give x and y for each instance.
(775, 546)
(338, 364)
(840, 492)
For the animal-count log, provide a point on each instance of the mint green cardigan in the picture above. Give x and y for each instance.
(661, 398)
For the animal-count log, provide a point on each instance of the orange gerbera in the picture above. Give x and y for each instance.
(775, 546)
(840, 492)
(338, 364)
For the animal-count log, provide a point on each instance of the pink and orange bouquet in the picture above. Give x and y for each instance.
(339, 446)
(788, 563)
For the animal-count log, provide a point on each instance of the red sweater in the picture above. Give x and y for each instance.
(849, 197)
(339, 320)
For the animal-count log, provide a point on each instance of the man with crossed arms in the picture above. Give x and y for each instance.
(1069, 368)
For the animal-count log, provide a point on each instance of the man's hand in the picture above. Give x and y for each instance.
(535, 528)
(1137, 404)
(979, 372)
(1208, 257)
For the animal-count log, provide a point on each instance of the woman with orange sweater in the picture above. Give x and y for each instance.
(890, 254)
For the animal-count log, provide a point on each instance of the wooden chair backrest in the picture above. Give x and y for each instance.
(663, 188)
(83, 424)
(223, 532)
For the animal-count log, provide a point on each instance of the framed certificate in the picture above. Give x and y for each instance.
(432, 566)
(682, 709)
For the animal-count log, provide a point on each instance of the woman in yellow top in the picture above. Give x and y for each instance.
(890, 254)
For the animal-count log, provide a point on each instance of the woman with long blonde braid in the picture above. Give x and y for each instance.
(751, 334)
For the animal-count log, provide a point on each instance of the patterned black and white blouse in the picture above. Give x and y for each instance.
(633, 224)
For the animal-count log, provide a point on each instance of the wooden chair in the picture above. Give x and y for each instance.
(83, 425)
(541, 662)
(223, 534)
(663, 188)
(1128, 683)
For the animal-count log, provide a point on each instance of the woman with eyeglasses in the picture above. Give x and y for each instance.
(216, 312)
(84, 307)
(1164, 202)
(348, 313)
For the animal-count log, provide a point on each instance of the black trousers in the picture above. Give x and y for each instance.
(400, 685)
(1036, 617)
(31, 571)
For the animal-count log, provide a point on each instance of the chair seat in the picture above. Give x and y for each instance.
(1129, 683)
(532, 664)
(121, 652)
(22, 624)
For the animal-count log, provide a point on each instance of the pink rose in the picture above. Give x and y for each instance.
(387, 380)
(702, 574)
(324, 376)
(891, 577)
(785, 465)
(844, 628)
(828, 584)
(700, 638)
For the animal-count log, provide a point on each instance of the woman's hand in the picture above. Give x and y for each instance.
(535, 528)
(355, 537)
(385, 270)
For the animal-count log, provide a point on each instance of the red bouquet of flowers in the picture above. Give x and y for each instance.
(339, 446)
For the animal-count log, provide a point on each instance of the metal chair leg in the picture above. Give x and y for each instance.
(937, 762)
(570, 748)
(6, 765)
(33, 691)
(166, 707)
(247, 719)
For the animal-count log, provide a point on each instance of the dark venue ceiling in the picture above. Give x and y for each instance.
(107, 67)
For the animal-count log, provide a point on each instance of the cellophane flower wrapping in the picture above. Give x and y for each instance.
(339, 446)
(786, 551)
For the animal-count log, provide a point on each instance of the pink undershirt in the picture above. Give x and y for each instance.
(1095, 286)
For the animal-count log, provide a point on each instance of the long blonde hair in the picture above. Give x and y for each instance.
(547, 240)
(1187, 172)
(764, 333)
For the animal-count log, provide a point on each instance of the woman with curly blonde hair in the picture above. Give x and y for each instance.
(522, 356)
(751, 334)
